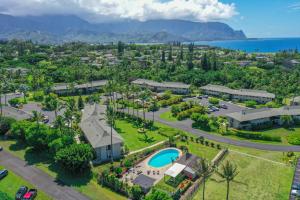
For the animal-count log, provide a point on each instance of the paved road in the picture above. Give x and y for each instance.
(296, 180)
(186, 125)
(38, 178)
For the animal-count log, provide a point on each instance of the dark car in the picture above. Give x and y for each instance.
(223, 106)
(30, 194)
(1, 148)
(21, 192)
(3, 173)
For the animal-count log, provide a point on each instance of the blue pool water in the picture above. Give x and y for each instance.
(163, 158)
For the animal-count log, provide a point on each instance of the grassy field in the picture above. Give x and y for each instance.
(86, 183)
(11, 183)
(258, 179)
(168, 116)
(135, 140)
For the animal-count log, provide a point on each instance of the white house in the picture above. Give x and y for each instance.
(98, 133)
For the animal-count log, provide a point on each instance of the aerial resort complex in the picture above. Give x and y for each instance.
(149, 100)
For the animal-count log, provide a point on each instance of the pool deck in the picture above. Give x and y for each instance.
(144, 168)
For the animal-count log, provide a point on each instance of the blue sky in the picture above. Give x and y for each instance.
(266, 18)
(257, 18)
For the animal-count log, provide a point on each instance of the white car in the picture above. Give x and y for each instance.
(295, 193)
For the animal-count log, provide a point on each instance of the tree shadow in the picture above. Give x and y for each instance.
(64, 178)
(18, 146)
(33, 157)
(147, 139)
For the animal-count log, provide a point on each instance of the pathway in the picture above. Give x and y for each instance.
(296, 180)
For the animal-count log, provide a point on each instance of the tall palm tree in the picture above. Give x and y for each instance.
(24, 89)
(1, 92)
(110, 118)
(228, 172)
(59, 123)
(144, 95)
(204, 172)
(37, 117)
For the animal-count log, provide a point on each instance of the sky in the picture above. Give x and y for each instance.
(257, 18)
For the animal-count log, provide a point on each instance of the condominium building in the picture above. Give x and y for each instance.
(175, 87)
(260, 96)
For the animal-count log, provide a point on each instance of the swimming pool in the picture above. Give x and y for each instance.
(164, 158)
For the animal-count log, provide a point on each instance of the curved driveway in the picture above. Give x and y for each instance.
(186, 125)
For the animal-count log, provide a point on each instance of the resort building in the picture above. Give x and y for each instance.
(254, 118)
(242, 94)
(86, 88)
(175, 87)
(98, 133)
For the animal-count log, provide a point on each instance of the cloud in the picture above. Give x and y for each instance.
(295, 6)
(99, 10)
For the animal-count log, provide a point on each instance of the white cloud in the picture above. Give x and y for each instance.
(99, 10)
(295, 6)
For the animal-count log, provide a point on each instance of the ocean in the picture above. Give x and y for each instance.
(257, 45)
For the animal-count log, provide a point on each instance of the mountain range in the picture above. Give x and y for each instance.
(67, 28)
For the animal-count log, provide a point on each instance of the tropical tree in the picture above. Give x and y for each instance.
(204, 172)
(80, 103)
(110, 118)
(24, 89)
(37, 117)
(228, 172)
(144, 96)
(287, 120)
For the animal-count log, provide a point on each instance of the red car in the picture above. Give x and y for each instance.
(30, 195)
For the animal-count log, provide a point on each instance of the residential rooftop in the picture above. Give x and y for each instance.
(242, 92)
(95, 127)
(161, 84)
(65, 86)
(254, 114)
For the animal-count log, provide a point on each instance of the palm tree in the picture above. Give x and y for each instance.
(204, 172)
(144, 96)
(228, 172)
(59, 123)
(110, 118)
(154, 107)
(37, 117)
(287, 120)
(24, 88)
(1, 92)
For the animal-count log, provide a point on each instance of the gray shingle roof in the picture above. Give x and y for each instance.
(64, 86)
(95, 127)
(144, 181)
(242, 92)
(161, 84)
(254, 114)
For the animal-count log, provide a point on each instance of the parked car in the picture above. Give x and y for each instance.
(21, 192)
(295, 192)
(205, 96)
(3, 173)
(199, 97)
(45, 119)
(30, 194)
(1, 148)
(214, 108)
(223, 106)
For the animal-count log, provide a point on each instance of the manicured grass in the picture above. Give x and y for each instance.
(11, 183)
(86, 183)
(135, 140)
(282, 132)
(168, 116)
(257, 179)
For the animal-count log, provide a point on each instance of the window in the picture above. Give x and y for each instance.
(108, 147)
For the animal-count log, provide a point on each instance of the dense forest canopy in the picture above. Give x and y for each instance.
(79, 62)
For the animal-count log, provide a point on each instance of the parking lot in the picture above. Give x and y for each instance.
(222, 112)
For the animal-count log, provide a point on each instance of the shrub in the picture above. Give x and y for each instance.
(5, 124)
(18, 129)
(75, 158)
(256, 136)
(136, 192)
(14, 102)
(4, 196)
(294, 139)
(213, 100)
(251, 104)
(201, 121)
(38, 96)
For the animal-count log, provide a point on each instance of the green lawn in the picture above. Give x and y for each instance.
(11, 183)
(282, 132)
(86, 184)
(135, 140)
(168, 116)
(257, 179)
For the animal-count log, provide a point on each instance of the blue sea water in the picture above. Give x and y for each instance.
(257, 45)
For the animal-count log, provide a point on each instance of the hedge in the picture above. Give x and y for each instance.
(256, 136)
(294, 139)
